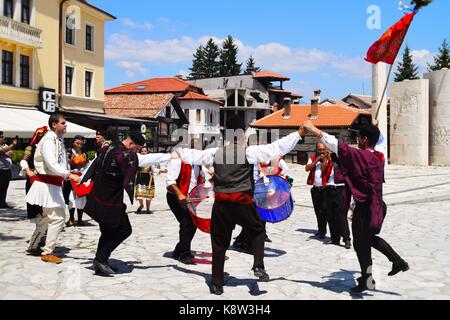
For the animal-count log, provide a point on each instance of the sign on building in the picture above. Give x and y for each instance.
(47, 100)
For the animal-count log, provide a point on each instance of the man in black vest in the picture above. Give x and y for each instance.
(234, 185)
(113, 172)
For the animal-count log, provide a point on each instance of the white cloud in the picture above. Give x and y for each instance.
(422, 57)
(163, 20)
(270, 56)
(131, 68)
(133, 24)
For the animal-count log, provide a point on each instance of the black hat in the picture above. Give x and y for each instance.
(235, 123)
(137, 138)
(78, 137)
(100, 133)
(371, 132)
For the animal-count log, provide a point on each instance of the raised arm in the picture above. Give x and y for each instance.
(152, 159)
(266, 153)
(328, 140)
(197, 157)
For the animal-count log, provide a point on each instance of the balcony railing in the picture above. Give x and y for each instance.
(20, 32)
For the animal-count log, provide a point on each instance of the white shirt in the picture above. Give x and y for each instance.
(174, 170)
(318, 174)
(152, 159)
(254, 154)
(284, 168)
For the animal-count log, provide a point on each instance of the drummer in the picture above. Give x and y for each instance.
(233, 185)
(181, 179)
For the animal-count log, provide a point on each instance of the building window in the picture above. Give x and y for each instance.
(24, 71)
(69, 79)
(211, 118)
(7, 67)
(186, 112)
(89, 76)
(163, 129)
(8, 8)
(26, 11)
(168, 112)
(70, 30)
(199, 116)
(89, 38)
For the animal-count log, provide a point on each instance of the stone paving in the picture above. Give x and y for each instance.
(300, 266)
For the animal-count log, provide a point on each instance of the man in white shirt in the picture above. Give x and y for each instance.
(52, 169)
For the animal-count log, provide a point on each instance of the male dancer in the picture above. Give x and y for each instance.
(364, 168)
(181, 179)
(113, 172)
(50, 162)
(233, 185)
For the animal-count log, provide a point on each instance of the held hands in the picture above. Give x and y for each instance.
(302, 131)
(75, 178)
(308, 125)
(30, 173)
(182, 198)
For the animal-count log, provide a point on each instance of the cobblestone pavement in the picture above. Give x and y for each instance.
(300, 266)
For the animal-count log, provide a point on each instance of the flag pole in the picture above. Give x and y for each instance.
(384, 92)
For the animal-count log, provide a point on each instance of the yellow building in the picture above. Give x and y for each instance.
(48, 45)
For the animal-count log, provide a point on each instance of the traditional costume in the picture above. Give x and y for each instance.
(113, 172)
(233, 185)
(185, 177)
(51, 166)
(363, 172)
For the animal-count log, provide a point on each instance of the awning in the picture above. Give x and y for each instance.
(23, 122)
(94, 120)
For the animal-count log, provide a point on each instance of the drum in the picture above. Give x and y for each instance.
(273, 199)
(200, 203)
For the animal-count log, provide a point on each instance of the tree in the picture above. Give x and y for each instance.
(211, 59)
(251, 66)
(406, 69)
(442, 59)
(198, 64)
(228, 58)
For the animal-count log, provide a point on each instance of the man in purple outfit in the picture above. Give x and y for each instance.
(363, 170)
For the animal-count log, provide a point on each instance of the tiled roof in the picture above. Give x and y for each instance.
(280, 91)
(329, 116)
(155, 85)
(136, 106)
(196, 96)
(270, 75)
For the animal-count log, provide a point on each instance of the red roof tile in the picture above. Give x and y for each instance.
(136, 106)
(155, 85)
(329, 116)
(270, 75)
(196, 96)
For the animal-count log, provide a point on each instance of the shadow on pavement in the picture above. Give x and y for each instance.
(13, 215)
(9, 238)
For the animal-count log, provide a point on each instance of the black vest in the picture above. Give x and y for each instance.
(232, 172)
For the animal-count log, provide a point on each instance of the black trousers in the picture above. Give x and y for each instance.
(187, 226)
(112, 237)
(320, 208)
(337, 218)
(225, 217)
(244, 237)
(5, 178)
(364, 240)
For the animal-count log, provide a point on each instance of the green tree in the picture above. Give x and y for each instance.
(211, 59)
(228, 58)
(406, 69)
(442, 59)
(251, 66)
(198, 64)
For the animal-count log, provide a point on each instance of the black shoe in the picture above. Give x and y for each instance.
(215, 289)
(397, 267)
(35, 252)
(102, 269)
(331, 242)
(268, 239)
(364, 283)
(261, 274)
(348, 245)
(81, 223)
(187, 260)
(321, 236)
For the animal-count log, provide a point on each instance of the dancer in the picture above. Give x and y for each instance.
(27, 165)
(365, 178)
(51, 167)
(113, 172)
(181, 179)
(233, 185)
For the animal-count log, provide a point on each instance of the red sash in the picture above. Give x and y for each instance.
(56, 181)
(82, 190)
(236, 197)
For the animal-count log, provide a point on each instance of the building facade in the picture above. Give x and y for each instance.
(52, 50)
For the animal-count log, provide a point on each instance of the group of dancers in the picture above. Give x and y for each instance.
(232, 168)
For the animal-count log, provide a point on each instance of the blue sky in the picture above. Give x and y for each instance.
(318, 44)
